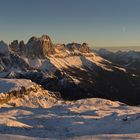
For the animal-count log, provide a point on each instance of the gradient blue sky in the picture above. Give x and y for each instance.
(98, 22)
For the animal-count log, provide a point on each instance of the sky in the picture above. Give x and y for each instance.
(97, 22)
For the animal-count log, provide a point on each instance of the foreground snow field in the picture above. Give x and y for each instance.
(38, 115)
(83, 119)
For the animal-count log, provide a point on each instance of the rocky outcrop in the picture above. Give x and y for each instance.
(14, 46)
(1, 67)
(75, 47)
(18, 48)
(22, 95)
(4, 50)
(47, 46)
(40, 47)
(84, 48)
(4, 55)
(22, 48)
(60, 47)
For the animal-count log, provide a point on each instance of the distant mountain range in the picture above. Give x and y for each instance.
(72, 71)
(128, 59)
(119, 48)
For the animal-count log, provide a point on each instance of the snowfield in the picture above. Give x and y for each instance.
(7, 85)
(83, 119)
(39, 116)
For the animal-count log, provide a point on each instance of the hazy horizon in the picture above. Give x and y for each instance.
(97, 22)
(118, 48)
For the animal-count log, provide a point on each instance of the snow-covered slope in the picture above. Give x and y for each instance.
(87, 118)
(41, 54)
(38, 115)
(8, 85)
(22, 92)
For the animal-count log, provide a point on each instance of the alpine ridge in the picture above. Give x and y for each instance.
(72, 71)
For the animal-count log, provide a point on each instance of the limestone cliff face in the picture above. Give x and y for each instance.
(21, 56)
(32, 47)
(18, 48)
(14, 46)
(40, 47)
(43, 47)
(4, 53)
(4, 49)
(22, 48)
(46, 45)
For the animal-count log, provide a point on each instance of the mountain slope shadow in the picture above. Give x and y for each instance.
(89, 81)
(98, 82)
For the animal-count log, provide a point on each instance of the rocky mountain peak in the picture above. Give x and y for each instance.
(22, 48)
(33, 38)
(83, 48)
(45, 38)
(4, 50)
(40, 47)
(14, 46)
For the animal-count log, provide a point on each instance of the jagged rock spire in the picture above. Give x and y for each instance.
(4, 50)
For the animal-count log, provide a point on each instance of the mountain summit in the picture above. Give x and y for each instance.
(42, 47)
